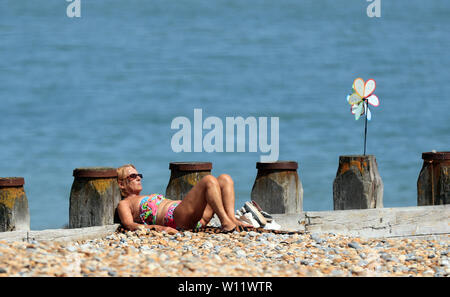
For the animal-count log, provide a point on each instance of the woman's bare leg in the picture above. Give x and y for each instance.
(228, 198)
(207, 215)
(191, 209)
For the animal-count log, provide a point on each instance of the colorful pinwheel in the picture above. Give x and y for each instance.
(360, 99)
(363, 94)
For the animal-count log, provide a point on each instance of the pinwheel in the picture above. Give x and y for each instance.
(363, 94)
(360, 99)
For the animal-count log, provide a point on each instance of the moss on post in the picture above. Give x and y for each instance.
(14, 212)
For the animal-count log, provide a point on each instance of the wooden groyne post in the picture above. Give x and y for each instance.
(277, 187)
(433, 184)
(94, 197)
(358, 184)
(184, 176)
(14, 212)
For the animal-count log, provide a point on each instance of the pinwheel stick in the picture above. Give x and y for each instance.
(365, 128)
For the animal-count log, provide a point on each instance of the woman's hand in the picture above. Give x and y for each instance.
(160, 228)
(169, 230)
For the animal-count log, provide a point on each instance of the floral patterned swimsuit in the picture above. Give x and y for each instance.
(148, 210)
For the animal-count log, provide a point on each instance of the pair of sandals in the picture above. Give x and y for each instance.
(253, 214)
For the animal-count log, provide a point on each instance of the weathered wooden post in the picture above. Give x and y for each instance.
(357, 185)
(94, 197)
(277, 187)
(433, 184)
(184, 176)
(14, 212)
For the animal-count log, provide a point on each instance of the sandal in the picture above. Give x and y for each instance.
(248, 219)
(241, 228)
(265, 214)
(256, 214)
(223, 231)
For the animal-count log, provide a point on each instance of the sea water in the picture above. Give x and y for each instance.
(103, 89)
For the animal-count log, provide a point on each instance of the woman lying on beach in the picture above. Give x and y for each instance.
(210, 195)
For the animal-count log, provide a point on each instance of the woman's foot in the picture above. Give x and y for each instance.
(242, 224)
(228, 227)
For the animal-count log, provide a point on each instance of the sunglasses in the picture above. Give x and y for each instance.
(135, 175)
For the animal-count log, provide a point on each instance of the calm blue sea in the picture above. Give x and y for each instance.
(103, 89)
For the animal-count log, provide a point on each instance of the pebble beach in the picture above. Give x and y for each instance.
(247, 254)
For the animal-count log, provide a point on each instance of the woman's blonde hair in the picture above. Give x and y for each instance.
(122, 175)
